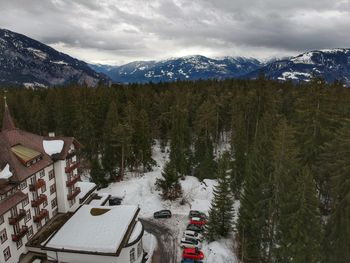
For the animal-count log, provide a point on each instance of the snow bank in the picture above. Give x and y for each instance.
(219, 252)
(53, 146)
(5, 173)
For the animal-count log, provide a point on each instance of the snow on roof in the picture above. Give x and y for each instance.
(101, 233)
(53, 146)
(5, 173)
(136, 232)
(97, 202)
(85, 188)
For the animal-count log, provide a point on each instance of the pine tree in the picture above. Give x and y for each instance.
(221, 212)
(180, 141)
(169, 183)
(336, 162)
(253, 222)
(110, 141)
(97, 173)
(204, 157)
(295, 224)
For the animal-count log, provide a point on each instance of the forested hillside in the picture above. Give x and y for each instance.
(289, 159)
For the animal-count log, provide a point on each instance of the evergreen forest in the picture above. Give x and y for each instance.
(288, 164)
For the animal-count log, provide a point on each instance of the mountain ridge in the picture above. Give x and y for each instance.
(28, 62)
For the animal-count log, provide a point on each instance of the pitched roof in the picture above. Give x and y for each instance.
(11, 201)
(17, 147)
(7, 122)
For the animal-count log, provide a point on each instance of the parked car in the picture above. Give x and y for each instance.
(194, 213)
(192, 253)
(195, 228)
(197, 221)
(192, 234)
(191, 261)
(162, 214)
(115, 201)
(187, 242)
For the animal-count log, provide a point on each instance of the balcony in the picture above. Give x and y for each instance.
(15, 219)
(40, 183)
(71, 167)
(43, 213)
(17, 237)
(41, 199)
(73, 180)
(74, 193)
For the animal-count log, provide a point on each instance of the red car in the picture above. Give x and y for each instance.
(192, 253)
(197, 221)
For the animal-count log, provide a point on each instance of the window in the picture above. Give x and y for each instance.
(42, 173)
(38, 225)
(19, 244)
(54, 212)
(3, 236)
(45, 204)
(52, 189)
(51, 174)
(1, 219)
(53, 203)
(28, 216)
(30, 232)
(7, 253)
(25, 202)
(139, 249)
(43, 189)
(23, 185)
(132, 255)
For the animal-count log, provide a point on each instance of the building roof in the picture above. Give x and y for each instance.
(17, 147)
(7, 122)
(11, 201)
(96, 230)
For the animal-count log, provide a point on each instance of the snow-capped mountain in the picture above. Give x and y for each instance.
(330, 64)
(25, 61)
(183, 68)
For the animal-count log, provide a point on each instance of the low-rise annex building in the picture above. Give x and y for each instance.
(39, 185)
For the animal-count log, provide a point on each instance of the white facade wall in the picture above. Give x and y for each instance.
(28, 221)
(15, 252)
(62, 190)
(124, 256)
(65, 205)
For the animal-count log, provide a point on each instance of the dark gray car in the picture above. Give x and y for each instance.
(162, 214)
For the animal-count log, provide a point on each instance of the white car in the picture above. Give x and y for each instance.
(190, 243)
(192, 234)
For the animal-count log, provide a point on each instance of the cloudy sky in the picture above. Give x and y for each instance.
(119, 31)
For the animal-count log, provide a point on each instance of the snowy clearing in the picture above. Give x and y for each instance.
(140, 191)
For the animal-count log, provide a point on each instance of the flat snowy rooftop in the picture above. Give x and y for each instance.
(98, 229)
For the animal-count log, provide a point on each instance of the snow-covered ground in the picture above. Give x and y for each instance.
(140, 190)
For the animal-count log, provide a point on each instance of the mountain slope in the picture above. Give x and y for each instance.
(330, 64)
(25, 61)
(183, 68)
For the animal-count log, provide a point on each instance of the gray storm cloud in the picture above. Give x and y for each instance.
(119, 31)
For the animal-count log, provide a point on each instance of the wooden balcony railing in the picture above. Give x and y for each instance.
(13, 220)
(43, 213)
(17, 237)
(71, 167)
(40, 183)
(73, 180)
(74, 193)
(41, 199)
